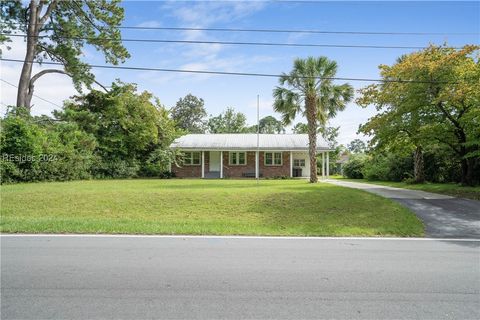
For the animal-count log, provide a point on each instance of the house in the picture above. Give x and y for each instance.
(237, 155)
(341, 162)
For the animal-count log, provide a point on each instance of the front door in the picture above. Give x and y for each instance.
(214, 161)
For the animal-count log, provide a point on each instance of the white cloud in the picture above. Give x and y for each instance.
(202, 14)
(349, 120)
(200, 50)
(295, 37)
(149, 24)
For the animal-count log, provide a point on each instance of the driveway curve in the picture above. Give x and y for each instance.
(443, 216)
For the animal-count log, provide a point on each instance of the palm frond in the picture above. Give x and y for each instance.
(287, 102)
(334, 98)
(307, 78)
(328, 69)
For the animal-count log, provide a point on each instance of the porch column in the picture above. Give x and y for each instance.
(221, 164)
(323, 165)
(328, 165)
(291, 165)
(203, 164)
(257, 164)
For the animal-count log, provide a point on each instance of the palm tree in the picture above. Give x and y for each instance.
(309, 90)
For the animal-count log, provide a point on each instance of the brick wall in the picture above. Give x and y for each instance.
(265, 171)
(187, 171)
(194, 171)
(237, 171)
(272, 171)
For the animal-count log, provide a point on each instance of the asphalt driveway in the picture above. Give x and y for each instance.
(443, 216)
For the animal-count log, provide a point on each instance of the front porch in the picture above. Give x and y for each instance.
(219, 164)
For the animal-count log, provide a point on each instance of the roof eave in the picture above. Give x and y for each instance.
(247, 149)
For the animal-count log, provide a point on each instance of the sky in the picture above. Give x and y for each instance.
(220, 92)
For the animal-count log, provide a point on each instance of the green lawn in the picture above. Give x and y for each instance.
(217, 207)
(451, 189)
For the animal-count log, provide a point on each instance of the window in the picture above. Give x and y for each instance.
(273, 158)
(299, 162)
(191, 158)
(237, 158)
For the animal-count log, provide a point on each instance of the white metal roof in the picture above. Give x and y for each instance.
(247, 141)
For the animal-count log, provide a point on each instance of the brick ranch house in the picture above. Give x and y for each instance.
(237, 155)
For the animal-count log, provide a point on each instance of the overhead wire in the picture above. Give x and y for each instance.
(36, 96)
(251, 74)
(308, 31)
(248, 43)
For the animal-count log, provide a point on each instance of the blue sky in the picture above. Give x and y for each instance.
(220, 92)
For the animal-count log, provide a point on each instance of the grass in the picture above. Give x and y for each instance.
(451, 189)
(216, 207)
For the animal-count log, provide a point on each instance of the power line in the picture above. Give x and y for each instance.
(297, 31)
(301, 31)
(9, 83)
(235, 43)
(270, 75)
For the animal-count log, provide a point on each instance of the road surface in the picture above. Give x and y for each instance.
(442, 215)
(80, 277)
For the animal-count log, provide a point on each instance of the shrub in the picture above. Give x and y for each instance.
(353, 169)
(441, 166)
(115, 168)
(375, 169)
(158, 163)
(389, 167)
(167, 175)
(34, 151)
(9, 172)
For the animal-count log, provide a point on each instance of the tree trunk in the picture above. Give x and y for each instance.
(463, 178)
(470, 171)
(25, 75)
(418, 167)
(467, 164)
(467, 170)
(312, 136)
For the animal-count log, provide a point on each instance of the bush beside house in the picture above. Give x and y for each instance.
(398, 167)
(119, 134)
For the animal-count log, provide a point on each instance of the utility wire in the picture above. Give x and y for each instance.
(270, 75)
(9, 83)
(278, 44)
(302, 31)
(392, 33)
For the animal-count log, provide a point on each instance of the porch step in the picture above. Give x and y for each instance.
(212, 175)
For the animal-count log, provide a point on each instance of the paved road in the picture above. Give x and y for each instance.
(232, 278)
(443, 216)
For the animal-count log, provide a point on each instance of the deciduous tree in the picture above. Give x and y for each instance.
(429, 97)
(229, 121)
(127, 125)
(189, 114)
(270, 124)
(300, 128)
(357, 146)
